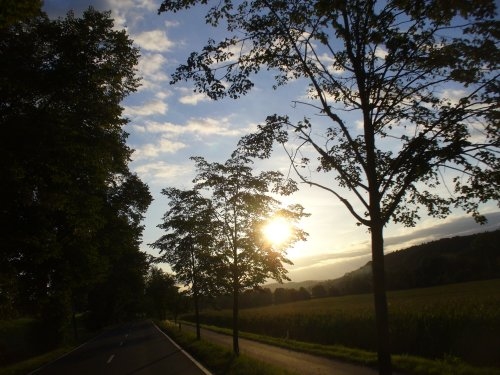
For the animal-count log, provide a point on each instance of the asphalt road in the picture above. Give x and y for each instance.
(135, 349)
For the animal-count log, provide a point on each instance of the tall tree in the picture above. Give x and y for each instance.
(63, 156)
(406, 95)
(188, 245)
(243, 204)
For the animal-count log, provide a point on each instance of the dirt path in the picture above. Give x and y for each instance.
(300, 363)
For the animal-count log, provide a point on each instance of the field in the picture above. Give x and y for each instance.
(459, 321)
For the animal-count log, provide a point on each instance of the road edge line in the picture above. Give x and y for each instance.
(198, 364)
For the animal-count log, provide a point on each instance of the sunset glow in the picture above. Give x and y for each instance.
(277, 231)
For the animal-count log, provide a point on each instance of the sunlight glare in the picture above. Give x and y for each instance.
(277, 231)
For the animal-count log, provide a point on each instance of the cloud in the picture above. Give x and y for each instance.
(458, 226)
(199, 127)
(154, 40)
(194, 98)
(150, 68)
(155, 107)
(330, 265)
(164, 173)
(153, 150)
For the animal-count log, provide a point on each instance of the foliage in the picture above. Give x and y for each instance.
(12, 11)
(188, 245)
(242, 204)
(71, 208)
(420, 78)
(162, 295)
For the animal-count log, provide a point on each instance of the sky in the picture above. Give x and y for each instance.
(171, 123)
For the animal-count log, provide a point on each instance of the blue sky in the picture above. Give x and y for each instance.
(168, 124)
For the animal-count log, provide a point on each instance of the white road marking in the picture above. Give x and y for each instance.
(111, 358)
(121, 343)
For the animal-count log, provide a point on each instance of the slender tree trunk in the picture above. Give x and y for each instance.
(236, 345)
(379, 293)
(197, 314)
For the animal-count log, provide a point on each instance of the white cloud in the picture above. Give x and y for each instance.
(150, 68)
(153, 150)
(381, 53)
(163, 172)
(194, 98)
(198, 127)
(154, 40)
(154, 107)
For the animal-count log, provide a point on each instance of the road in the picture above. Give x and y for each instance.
(297, 362)
(139, 348)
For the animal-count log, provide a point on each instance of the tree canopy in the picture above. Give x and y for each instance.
(402, 103)
(71, 208)
(214, 238)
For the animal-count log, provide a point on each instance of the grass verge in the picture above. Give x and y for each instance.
(29, 365)
(402, 363)
(218, 359)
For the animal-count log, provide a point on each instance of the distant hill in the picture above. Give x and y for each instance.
(445, 261)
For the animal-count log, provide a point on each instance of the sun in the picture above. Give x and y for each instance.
(277, 231)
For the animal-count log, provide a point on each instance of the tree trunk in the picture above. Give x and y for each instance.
(379, 294)
(236, 345)
(197, 314)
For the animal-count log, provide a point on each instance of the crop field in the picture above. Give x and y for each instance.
(454, 321)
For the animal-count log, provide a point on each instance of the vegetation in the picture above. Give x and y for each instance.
(401, 110)
(455, 321)
(22, 345)
(70, 222)
(215, 243)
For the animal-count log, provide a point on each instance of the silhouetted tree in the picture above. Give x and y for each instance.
(161, 293)
(63, 160)
(189, 244)
(405, 95)
(243, 203)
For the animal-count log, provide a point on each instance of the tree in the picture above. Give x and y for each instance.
(419, 77)
(188, 245)
(12, 11)
(63, 159)
(161, 293)
(242, 205)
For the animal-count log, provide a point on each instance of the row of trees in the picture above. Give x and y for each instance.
(402, 103)
(71, 210)
(214, 238)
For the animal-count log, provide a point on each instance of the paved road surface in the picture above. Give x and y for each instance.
(135, 349)
(297, 362)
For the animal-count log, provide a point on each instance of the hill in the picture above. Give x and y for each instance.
(445, 261)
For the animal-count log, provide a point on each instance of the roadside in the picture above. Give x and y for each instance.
(300, 363)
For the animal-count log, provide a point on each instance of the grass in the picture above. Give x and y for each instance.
(217, 359)
(22, 351)
(28, 365)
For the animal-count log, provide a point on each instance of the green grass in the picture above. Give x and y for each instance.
(456, 324)
(217, 359)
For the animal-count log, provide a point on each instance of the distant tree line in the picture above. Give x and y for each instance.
(70, 208)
